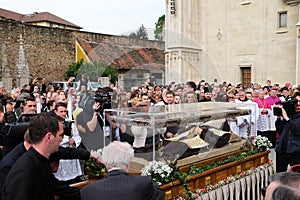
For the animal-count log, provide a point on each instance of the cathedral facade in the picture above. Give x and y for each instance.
(238, 41)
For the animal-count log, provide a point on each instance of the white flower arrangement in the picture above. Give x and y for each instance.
(158, 171)
(98, 152)
(262, 143)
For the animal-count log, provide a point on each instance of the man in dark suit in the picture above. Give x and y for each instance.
(60, 189)
(118, 184)
(32, 169)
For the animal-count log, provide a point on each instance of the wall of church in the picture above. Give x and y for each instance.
(231, 35)
(50, 51)
(247, 35)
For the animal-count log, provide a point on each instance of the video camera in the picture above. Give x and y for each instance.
(104, 96)
(289, 107)
(14, 132)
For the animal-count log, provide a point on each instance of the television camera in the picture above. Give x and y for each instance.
(13, 132)
(289, 107)
(104, 97)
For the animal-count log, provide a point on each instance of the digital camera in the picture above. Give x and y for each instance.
(289, 107)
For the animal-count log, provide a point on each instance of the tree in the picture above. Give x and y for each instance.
(141, 34)
(133, 35)
(112, 73)
(158, 32)
(73, 69)
(93, 70)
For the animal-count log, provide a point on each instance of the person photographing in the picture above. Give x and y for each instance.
(288, 144)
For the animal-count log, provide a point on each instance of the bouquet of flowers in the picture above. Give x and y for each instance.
(158, 171)
(262, 143)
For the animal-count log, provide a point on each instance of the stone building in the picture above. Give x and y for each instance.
(240, 41)
(47, 51)
(136, 64)
(39, 19)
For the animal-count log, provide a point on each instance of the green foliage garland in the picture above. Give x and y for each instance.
(94, 169)
(178, 175)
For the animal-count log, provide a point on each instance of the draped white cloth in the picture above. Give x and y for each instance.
(205, 197)
(262, 181)
(257, 174)
(253, 183)
(219, 194)
(248, 184)
(246, 188)
(225, 190)
(231, 190)
(212, 194)
(237, 185)
(241, 125)
(243, 186)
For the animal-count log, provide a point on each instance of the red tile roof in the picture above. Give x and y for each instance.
(36, 17)
(10, 15)
(124, 57)
(46, 16)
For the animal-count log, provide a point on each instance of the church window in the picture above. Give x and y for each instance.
(282, 19)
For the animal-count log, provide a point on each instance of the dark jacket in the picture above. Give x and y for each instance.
(120, 185)
(8, 161)
(31, 171)
(289, 140)
(59, 188)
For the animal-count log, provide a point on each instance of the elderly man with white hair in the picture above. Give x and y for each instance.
(118, 184)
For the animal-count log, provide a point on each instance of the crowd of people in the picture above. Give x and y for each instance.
(81, 111)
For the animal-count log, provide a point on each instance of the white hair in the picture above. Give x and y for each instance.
(117, 154)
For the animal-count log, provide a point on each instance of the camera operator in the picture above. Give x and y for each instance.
(12, 134)
(288, 145)
(91, 120)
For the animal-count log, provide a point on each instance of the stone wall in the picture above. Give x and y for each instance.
(50, 51)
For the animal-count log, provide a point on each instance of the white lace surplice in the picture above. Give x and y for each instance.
(263, 121)
(69, 169)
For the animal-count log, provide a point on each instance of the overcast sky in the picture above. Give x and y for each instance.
(101, 16)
